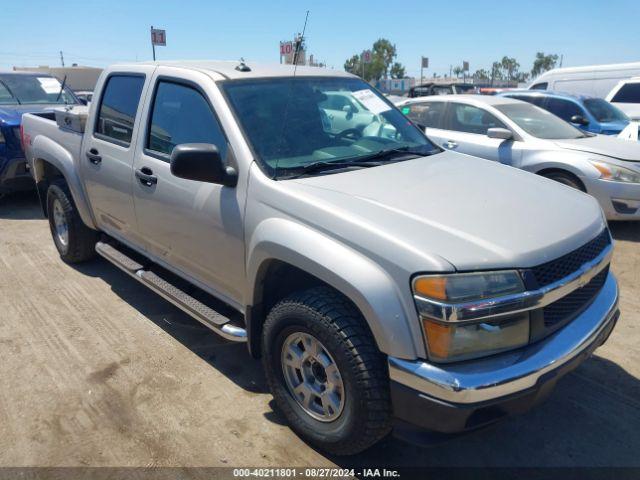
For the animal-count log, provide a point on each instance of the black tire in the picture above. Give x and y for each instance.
(329, 317)
(566, 179)
(81, 240)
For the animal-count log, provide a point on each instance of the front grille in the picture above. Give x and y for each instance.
(559, 268)
(571, 305)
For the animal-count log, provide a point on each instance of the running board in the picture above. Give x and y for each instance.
(185, 302)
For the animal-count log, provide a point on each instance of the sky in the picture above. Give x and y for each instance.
(97, 33)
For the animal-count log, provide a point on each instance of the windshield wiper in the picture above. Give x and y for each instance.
(324, 165)
(10, 92)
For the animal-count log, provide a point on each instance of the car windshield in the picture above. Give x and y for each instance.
(19, 89)
(293, 123)
(539, 123)
(604, 111)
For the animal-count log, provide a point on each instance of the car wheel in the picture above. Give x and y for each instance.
(566, 179)
(74, 241)
(326, 373)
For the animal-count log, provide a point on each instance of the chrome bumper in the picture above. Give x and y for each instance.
(512, 372)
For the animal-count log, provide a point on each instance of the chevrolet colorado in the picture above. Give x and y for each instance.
(380, 278)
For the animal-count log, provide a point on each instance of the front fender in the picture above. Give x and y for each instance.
(370, 288)
(44, 149)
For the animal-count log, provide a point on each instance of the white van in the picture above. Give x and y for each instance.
(626, 96)
(594, 80)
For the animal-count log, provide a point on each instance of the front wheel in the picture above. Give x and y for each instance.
(74, 241)
(325, 372)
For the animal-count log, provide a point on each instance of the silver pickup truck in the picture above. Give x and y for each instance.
(380, 279)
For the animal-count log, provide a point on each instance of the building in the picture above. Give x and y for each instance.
(79, 78)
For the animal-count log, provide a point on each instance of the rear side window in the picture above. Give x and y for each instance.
(629, 93)
(540, 86)
(118, 108)
(428, 114)
(470, 119)
(564, 109)
(182, 115)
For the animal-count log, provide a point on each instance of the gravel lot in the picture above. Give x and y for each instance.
(96, 370)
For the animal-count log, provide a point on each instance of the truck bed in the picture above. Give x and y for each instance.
(43, 134)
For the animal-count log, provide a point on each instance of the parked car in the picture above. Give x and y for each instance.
(427, 89)
(591, 114)
(525, 136)
(85, 96)
(626, 96)
(21, 93)
(595, 80)
(377, 275)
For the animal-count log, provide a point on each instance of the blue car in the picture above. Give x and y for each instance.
(591, 114)
(23, 93)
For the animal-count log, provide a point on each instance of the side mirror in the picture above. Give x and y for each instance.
(348, 109)
(579, 120)
(201, 162)
(500, 133)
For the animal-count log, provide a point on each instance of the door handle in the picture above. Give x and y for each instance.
(146, 176)
(450, 144)
(93, 156)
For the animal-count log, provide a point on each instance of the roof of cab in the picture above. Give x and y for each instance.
(227, 69)
(465, 98)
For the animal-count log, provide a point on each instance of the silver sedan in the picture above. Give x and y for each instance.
(524, 136)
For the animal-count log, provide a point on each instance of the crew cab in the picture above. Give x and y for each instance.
(22, 93)
(381, 279)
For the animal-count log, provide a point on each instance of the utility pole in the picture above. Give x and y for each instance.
(61, 58)
(153, 45)
(561, 59)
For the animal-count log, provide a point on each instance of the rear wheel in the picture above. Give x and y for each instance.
(74, 241)
(325, 372)
(566, 179)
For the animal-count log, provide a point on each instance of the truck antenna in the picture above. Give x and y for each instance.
(299, 42)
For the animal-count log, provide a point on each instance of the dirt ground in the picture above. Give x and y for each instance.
(96, 370)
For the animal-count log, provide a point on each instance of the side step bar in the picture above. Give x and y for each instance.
(185, 302)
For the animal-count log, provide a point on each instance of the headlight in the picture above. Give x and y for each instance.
(449, 341)
(615, 173)
(464, 287)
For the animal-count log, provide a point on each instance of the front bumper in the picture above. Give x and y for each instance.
(456, 397)
(15, 175)
(619, 200)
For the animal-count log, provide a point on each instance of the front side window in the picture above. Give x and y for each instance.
(628, 93)
(538, 122)
(470, 119)
(118, 108)
(427, 114)
(290, 123)
(21, 89)
(603, 111)
(565, 109)
(181, 114)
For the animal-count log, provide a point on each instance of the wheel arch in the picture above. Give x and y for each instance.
(308, 258)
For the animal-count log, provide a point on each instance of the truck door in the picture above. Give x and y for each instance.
(107, 154)
(193, 228)
(466, 132)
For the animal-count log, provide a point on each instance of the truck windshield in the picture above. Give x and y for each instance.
(19, 89)
(603, 111)
(292, 123)
(539, 123)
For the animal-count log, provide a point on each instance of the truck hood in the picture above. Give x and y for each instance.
(603, 145)
(11, 115)
(473, 213)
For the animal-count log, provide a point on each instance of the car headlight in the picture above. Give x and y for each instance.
(449, 341)
(615, 173)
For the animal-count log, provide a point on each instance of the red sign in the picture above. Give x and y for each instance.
(286, 48)
(158, 37)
